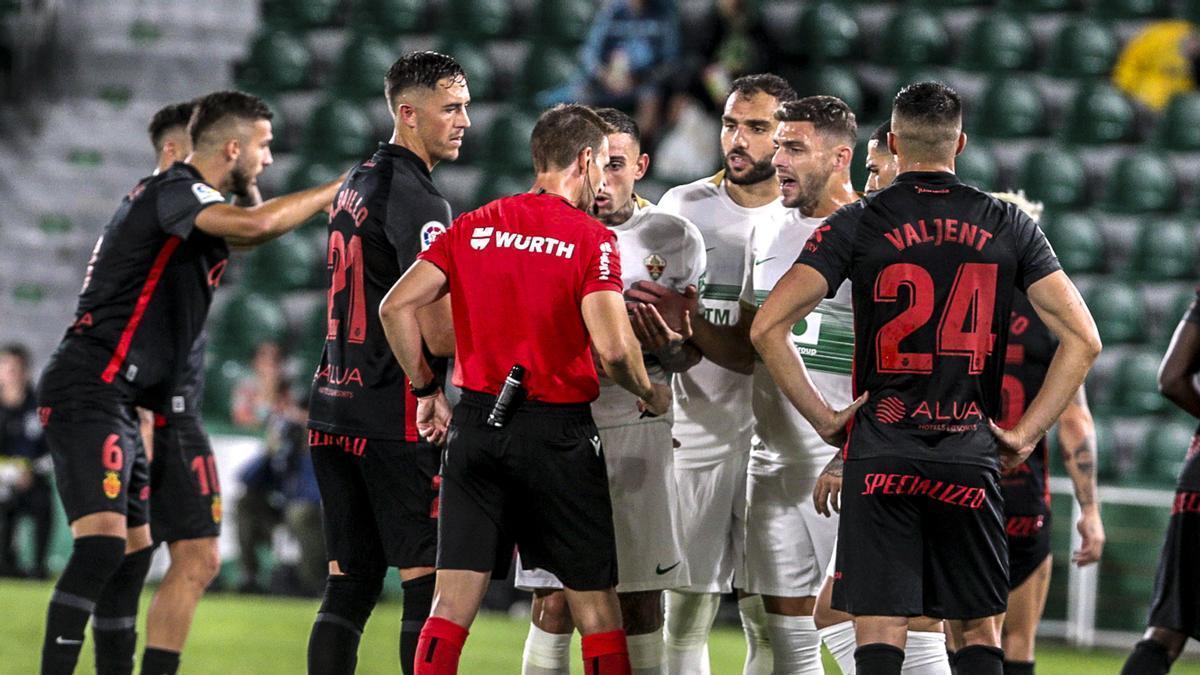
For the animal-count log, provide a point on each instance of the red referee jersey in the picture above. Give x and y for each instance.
(518, 270)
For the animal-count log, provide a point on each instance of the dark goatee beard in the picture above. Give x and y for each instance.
(239, 182)
(759, 171)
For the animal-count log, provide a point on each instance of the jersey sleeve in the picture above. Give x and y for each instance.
(438, 251)
(1035, 257)
(830, 247)
(603, 271)
(415, 219)
(180, 201)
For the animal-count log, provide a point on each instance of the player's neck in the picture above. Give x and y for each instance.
(838, 193)
(565, 184)
(753, 195)
(414, 146)
(622, 215)
(214, 170)
(904, 165)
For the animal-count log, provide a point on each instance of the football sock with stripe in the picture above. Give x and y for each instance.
(647, 654)
(1149, 657)
(546, 653)
(606, 654)
(159, 661)
(689, 621)
(114, 622)
(839, 640)
(418, 598)
(345, 608)
(878, 659)
(795, 644)
(93, 561)
(759, 659)
(440, 647)
(925, 654)
(980, 660)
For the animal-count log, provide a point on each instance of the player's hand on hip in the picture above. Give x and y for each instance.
(1013, 449)
(1091, 530)
(433, 418)
(827, 494)
(653, 331)
(671, 305)
(833, 430)
(659, 402)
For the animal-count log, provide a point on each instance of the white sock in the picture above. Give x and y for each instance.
(689, 621)
(646, 653)
(925, 654)
(546, 653)
(759, 659)
(796, 644)
(839, 639)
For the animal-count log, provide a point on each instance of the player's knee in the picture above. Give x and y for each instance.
(985, 632)
(353, 594)
(551, 613)
(197, 561)
(1173, 641)
(641, 613)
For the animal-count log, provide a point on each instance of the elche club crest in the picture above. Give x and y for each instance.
(655, 265)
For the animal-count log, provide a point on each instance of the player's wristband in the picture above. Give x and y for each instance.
(428, 390)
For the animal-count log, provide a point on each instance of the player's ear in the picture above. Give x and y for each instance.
(643, 165)
(406, 113)
(842, 157)
(233, 149)
(891, 143)
(962, 143)
(584, 160)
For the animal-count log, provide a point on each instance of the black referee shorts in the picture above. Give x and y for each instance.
(539, 483)
(921, 538)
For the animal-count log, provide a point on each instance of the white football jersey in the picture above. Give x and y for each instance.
(825, 340)
(712, 404)
(655, 246)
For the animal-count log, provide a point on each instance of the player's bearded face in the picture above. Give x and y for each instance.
(756, 170)
(254, 157)
(746, 128)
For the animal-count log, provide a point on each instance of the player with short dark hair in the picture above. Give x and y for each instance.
(881, 163)
(378, 478)
(1173, 608)
(145, 298)
(168, 131)
(535, 282)
(934, 264)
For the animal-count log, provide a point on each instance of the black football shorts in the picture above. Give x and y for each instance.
(1028, 545)
(379, 500)
(540, 483)
(921, 538)
(185, 492)
(1176, 603)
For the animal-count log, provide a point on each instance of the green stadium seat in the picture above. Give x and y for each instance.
(1055, 177)
(1160, 455)
(389, 17)
(914, 36)
(1085, 47)
(1118, 311)
(831, 80)
(1000, 41)
(826, 31)
(1012, 107)
(299, 13)
(545, 68)
(1179, 128)
(563, 21)
(1099, 114)
(221, 379)
(278, 61)
(1135, 384)
(362, 67)
(1041, 5)
(311, 174)
(495, 186)
(1077, 241)
(1165, 249)
(339, 129)
(475, 62)
(479, 18)
(286, 264)
(246, 321)
(1142, 182)
(977, 166)
(54, 224)
(1132, 9)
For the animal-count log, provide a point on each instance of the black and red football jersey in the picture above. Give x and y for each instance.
(935, 265)
(147, 289)
(385, 213)
(1030, 347)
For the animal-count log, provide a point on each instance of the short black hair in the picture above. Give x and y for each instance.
(829, 115)
(176, 115)
(767, 83)
(931, 103)
(881, 132)
(18, 351)
(422, 69)
(216, 107)
(562, 132)
(621, 122)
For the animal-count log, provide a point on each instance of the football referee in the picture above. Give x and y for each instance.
(535, 282)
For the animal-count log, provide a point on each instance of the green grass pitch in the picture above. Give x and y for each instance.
(235, 635)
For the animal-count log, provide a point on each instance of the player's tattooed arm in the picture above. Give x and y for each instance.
(1077, 438)
(827, 493)
(1181, 363)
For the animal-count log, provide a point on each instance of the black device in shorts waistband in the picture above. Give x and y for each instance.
(483, 401)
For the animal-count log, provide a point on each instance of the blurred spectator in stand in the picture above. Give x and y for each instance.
(1161, 61)
(25, 465)
(258, 512)
(287, 445)
(254, 397)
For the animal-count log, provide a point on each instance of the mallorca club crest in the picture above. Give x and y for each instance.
(655, 265)
(112, 484)
(216, 509)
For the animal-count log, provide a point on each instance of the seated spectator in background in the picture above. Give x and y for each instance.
(254, 397)
(626, 60)
(25, 465)
(1161, 61)
(287, 445)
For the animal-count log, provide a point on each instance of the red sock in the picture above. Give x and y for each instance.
(606, 654)
(440, 646)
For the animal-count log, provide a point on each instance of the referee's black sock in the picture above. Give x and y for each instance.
(93, 561)
(1018, 668)
(980, 660)
(114, 622)
(159, 661)
(418, 598)
(878, 658)
(1149, 657)
(345, 608)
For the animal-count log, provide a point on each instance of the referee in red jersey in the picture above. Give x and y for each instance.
(534, 281)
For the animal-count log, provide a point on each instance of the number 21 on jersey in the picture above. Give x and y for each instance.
(346, 267)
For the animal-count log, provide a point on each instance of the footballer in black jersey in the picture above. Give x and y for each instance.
(934, 266)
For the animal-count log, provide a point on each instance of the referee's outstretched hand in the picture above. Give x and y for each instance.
(1013, 449)
(433, 418)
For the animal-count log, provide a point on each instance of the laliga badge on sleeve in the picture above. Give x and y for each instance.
(205, 194)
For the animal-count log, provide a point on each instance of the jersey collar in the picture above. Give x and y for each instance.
(941, 178)
(404, 153)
